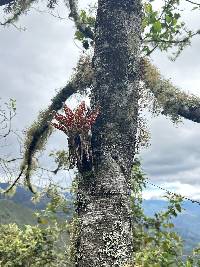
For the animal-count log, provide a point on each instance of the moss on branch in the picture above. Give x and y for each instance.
(169, 99)
(39, 132)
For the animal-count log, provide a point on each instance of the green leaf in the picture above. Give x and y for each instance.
(148, 8)
(171, 225)
(168, 18)
(188, 264)
(177, 15)
(146, 49)
(157, 26)
(79, 36)
(42, 220)
(144, 23)
(178, 207)
(83, 15)
(195, 7)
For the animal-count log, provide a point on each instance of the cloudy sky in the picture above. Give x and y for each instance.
(38, 61)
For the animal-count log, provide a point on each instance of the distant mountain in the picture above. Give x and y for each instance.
(187, 224)
(23, 197)
(11, 212)
(19, 208)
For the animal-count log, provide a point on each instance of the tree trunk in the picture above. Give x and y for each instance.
(103, 197)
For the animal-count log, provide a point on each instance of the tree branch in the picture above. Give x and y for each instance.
(79, 25)
(178, 41)
(24, 5)
(192, 2)
(170, 99)
(18, 10)
(38, 133)
(14, 183)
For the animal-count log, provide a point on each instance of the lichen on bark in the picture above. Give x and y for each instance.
(103, 198)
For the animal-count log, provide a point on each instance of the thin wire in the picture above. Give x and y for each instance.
(172, 193)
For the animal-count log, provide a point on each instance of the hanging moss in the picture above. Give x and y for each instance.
(168, 99)
(39, 132)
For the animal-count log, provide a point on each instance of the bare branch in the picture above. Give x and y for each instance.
(6, 117)
(15, 182)
(10, 160)
(152, 50)
(57, 16)
(171, 100)
(192, 2)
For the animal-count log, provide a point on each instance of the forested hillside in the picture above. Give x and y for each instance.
(187, 223)
(20, 209)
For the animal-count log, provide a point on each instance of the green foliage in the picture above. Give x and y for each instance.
(12, 212)
(44, 244)
(32, 246)
(89, 22)
(161, 245)
(18, 8)
(74, 229)
(163, 27)
(61, 158)
(47, 243)
(156, 242)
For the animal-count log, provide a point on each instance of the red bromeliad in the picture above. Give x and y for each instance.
(79, 121)
(77, 126)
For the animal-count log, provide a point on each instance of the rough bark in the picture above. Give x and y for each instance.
(104, 193)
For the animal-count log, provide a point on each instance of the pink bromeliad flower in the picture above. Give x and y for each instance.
(79, 121)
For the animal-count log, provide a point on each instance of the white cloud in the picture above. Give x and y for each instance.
(186, 190)
(36, 62)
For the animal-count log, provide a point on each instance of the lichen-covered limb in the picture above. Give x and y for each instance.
(169, 98)
(79, 25)
(17, 8)
(38, 133)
